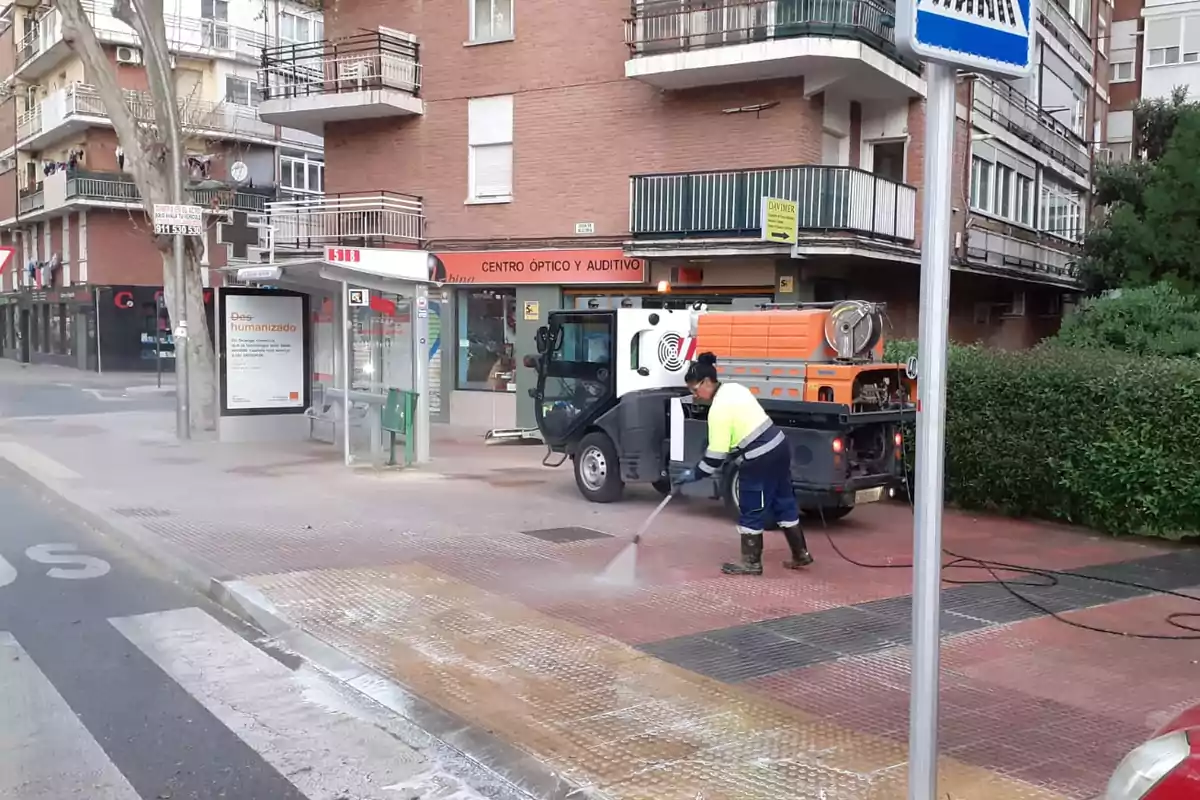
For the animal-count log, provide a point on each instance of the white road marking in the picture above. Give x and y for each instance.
(300, 722)
(97, 394)
(46, 753)
(40, 466)
(8, 573)
(85, 566)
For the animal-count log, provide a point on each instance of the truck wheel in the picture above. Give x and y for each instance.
(829, 513)
(729, 497)
(597, 471)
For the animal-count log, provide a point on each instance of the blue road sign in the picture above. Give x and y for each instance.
(993, 36)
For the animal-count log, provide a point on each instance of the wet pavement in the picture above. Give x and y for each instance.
(688, 683)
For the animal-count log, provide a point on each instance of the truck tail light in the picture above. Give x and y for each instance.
(838, 445)
(898, 439)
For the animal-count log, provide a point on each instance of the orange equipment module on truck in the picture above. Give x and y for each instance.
(786, 354)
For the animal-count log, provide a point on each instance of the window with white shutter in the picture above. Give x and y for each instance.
(490, 136)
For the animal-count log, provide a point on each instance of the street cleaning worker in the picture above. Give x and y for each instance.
(739, 428)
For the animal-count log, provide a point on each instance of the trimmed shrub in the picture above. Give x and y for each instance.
(1152, 320)
(1091, 437)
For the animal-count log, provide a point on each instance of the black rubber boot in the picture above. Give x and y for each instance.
(800, 555)
(752, 547)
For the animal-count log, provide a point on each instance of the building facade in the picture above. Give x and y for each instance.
(83, 287)
(522, 140)
(1155, 49)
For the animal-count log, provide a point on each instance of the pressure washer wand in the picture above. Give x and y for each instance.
(637, 537)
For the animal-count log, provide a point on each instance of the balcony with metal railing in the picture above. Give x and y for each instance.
(678, 44)
(832, 200)
(359, 219)
(1001, 252)
(42, 47)
(70, 187)
(78, 106)
(366, 76)
(1007, 110)
(30, 199)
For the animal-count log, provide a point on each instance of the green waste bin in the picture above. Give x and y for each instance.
(397, 418)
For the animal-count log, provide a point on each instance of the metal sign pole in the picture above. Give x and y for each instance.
(931, 424)
(158, 307)
(347, 365)
(420, 335)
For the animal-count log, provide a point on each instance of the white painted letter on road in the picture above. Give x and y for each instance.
(8, 573)
(88, 566)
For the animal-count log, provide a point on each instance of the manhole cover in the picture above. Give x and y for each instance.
(564, 535)
(143, 513)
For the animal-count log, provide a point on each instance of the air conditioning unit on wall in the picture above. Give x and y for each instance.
(129, 55)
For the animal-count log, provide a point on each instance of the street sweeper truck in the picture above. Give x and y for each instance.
(610, 397)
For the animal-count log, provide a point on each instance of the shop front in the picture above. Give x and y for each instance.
(493, 304)
(50, 326)
(133, 329)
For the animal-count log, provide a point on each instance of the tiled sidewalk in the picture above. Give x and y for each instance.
(689, 681)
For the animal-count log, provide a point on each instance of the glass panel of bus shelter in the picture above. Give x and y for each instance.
(381, 359)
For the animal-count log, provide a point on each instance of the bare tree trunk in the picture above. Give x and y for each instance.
(202, 396)
(150, 161)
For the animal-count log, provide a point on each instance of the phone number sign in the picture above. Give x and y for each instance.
(173, 219)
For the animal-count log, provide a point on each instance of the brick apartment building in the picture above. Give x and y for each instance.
(1153, 47)
(82, 288)
(645, 136)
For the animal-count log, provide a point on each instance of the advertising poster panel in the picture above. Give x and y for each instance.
(264, 368)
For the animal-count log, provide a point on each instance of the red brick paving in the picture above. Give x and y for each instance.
(1036, 699)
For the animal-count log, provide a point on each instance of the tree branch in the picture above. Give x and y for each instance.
(146, 18)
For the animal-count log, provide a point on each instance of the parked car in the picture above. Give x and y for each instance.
(1166, 767)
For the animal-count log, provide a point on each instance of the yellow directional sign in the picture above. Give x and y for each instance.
(780, 220)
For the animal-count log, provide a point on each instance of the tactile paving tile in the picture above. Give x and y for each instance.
(610, 718)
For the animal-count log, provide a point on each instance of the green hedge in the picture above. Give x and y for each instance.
(1096, 438)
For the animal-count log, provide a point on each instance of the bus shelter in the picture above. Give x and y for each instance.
(354, 322)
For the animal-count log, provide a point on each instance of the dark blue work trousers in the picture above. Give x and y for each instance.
(765, 491)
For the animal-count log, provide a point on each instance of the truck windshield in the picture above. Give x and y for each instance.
(578, 374)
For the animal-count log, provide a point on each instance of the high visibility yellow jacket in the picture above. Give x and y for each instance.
(737, 424)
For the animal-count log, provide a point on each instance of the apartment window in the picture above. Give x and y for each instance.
(1025, 200)
(215, 10)
(1161, 56)
(1102, 34)
(1120, 71)
(1191, 39)
(301, 174)
(490, 136)
(491, 20)
(1162, 40)
(1061, 211)
(981, 184)
(1004, 191)
(241, 91)
(295, 29)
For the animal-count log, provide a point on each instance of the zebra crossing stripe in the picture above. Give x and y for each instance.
(46, 753)
(298, 721)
